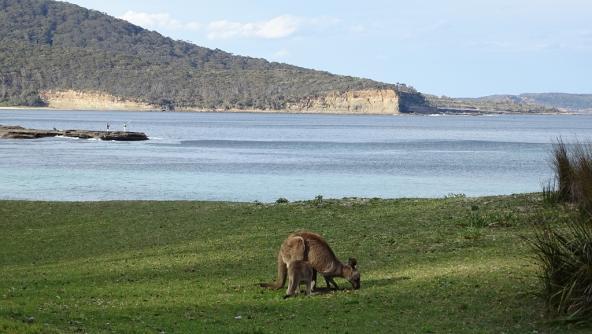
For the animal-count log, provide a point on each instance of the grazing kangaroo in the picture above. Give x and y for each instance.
(311, 247)
(299, 272)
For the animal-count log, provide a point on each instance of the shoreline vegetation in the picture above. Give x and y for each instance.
(564, 252)
(454, 264)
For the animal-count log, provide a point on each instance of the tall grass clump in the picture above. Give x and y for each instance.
(573, 175)
(562, 165)
(550, 194)
(582, 178)
(565, 255)
(564, 251)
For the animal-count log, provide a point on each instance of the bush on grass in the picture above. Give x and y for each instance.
(565, 255)
(564, 251)
(573, 175)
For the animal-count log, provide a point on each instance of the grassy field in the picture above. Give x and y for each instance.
(453, 265)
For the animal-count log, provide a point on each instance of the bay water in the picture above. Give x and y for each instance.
(264, 156)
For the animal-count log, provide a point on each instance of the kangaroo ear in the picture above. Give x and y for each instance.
(352, 262)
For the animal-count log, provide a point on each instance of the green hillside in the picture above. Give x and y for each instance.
(55, 45)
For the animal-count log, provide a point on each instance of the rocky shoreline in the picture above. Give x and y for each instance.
(18, 132)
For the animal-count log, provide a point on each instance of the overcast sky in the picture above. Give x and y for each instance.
(456, 48)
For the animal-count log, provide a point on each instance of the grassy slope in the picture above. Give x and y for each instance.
(428, 266)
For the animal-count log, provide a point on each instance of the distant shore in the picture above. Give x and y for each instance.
(181, 110)
(448, 112)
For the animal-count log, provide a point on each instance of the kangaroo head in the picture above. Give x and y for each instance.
(351, 273)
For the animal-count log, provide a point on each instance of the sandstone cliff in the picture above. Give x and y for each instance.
(370, 101)
(76, 100)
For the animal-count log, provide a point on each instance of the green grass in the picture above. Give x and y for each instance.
(453, 265)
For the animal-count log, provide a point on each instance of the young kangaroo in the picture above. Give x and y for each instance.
(299, 272)
(311, 247)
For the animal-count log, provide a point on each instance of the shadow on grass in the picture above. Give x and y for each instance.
(371, 283)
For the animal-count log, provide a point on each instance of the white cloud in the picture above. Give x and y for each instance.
(277, 27)
(158, 20)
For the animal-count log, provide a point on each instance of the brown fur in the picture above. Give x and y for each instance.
(311, 247)
(299, 272)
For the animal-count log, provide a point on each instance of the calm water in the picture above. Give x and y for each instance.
(247, 157)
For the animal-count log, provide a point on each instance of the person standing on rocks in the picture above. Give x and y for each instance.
(108, 126)
(125, 127)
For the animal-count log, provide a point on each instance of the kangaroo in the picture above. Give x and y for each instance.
(299, 272)
(311, 247)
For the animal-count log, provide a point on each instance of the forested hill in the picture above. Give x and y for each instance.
(49, 45)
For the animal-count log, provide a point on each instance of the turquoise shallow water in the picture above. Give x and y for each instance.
(247, 157)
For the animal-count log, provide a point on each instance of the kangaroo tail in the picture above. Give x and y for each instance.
(282, 271)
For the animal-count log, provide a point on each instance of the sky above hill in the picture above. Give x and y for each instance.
(459, 48)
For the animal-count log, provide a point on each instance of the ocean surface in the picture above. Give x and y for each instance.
(248, 156)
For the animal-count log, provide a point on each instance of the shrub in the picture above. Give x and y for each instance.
(453, 195)
(564, 251)
(563, 171)
(282, 200)
(582, 177)
(318, 201)
(573, 175)
(550, 195)
(565, 255)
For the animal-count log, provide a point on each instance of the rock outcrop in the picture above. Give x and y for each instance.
(369, 101)
(18, 132)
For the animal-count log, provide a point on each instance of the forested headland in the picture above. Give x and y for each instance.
(49, 45)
